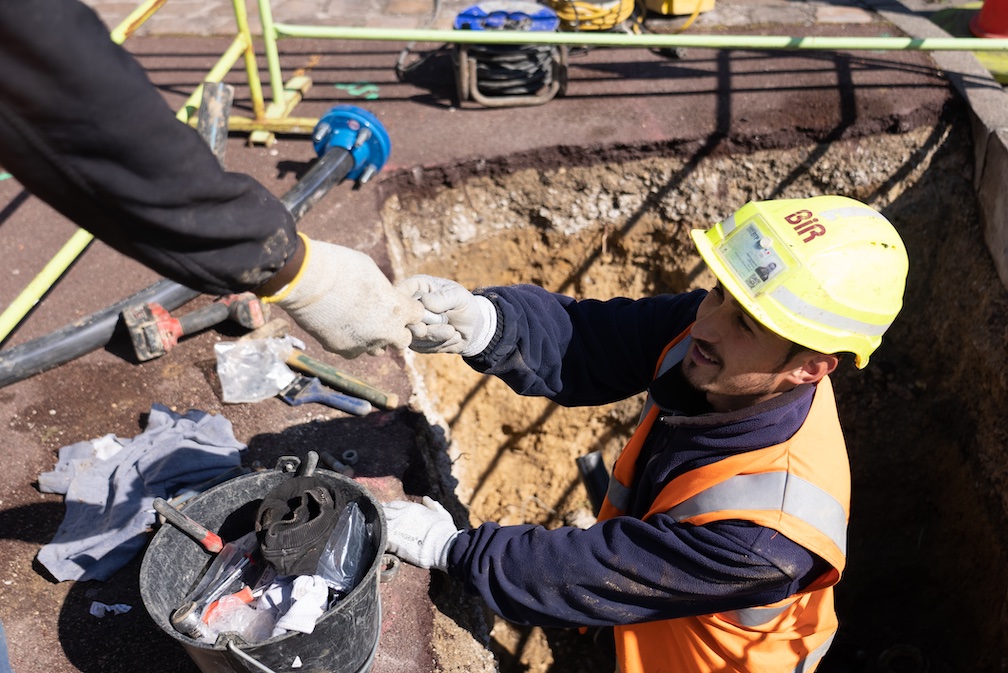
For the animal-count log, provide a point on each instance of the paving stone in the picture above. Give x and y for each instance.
(843, 15)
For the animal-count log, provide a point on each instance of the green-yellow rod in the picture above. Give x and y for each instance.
(50, 273)
(604, 39)
(216, 74)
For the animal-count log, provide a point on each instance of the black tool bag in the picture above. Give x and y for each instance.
(294, 523)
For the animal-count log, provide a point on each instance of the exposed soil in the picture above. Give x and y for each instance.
(924, 434)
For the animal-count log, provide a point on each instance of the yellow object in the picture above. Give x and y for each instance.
(282, 293)
(957, 20)
(577, 15)
(826, 272)
(676, 7)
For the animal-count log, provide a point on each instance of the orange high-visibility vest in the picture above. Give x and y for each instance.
(800, 488)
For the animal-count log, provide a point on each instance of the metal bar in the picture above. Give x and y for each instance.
(597, 39)
(136, 18)
(214, 112)
(251, 66)
(280, 125)
(43, 282)
(187, 113)
(271, 51)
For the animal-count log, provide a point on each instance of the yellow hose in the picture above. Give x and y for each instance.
(577, 15)
(689, 21)
(580, 15)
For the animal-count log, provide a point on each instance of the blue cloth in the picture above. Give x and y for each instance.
(110, 486)
(625, 570)
(5, 666)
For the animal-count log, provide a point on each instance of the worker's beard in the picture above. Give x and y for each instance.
(705, 371)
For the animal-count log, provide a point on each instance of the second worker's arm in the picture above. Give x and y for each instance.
(83, 128)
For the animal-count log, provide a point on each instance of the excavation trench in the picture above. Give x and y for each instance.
(926, 579)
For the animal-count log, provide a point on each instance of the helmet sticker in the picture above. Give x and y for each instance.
(749, 253)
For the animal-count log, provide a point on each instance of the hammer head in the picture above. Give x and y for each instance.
(154, 331)
(245, 309)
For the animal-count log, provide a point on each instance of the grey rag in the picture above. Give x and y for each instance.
(110, 485)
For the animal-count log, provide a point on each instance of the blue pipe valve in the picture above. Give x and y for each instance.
(358, 132)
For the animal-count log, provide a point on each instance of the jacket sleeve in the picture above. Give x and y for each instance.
(625, 571)
(580, 353)
(83, 128)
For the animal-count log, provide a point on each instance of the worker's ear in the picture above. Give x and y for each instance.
(811, 367)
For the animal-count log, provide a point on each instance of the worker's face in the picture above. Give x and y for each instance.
(734, 359)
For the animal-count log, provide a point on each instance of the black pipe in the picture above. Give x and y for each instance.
(84, 335)
(330, 168)
(96, 330)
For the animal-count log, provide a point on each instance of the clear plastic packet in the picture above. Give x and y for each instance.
(343, 561)
(228, 561)
(254, 370)
(233, 614)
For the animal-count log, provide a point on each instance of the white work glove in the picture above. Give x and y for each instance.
(455, 320)
(343, 299)
(420, 533)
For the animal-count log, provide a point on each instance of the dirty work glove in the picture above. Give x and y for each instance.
(343, 299)
(420, 533)
(455, 320)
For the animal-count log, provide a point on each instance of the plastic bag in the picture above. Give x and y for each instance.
(343, 560)
(234, 615)
(254, 370)
(224, 563)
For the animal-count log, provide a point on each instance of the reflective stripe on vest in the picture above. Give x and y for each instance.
(778, 491)
(752, 617)
(799, 488)
(618, 494)
(673, 356)
(812, 660)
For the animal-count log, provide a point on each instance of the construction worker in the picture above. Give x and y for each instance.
(723, 530)
(83, 128)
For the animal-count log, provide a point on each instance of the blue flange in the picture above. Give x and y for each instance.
(358, 132)
(507, 15)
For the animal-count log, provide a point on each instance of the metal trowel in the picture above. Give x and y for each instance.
(309, 389)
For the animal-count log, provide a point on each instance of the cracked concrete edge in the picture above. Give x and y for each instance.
(461, 626)
(988, 104)
(461, 622)
(420, 398)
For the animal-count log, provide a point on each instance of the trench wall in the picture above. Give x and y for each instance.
(923, 424)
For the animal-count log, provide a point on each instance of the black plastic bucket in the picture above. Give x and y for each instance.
(345, 638)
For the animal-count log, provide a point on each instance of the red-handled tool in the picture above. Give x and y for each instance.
(245, 596)
(154, 331)
(210, 541)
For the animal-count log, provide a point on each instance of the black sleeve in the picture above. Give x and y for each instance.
(624, 570)
(580, 353)
(83, 128)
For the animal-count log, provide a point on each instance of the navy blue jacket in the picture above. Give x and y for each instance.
(626, 570)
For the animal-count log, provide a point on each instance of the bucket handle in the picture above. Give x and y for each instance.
(389, 567)
(255, 663)
(308, 465)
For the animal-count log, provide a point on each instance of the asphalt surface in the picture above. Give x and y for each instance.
(618, 104)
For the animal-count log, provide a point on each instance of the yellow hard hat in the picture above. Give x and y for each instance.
(827, 272)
